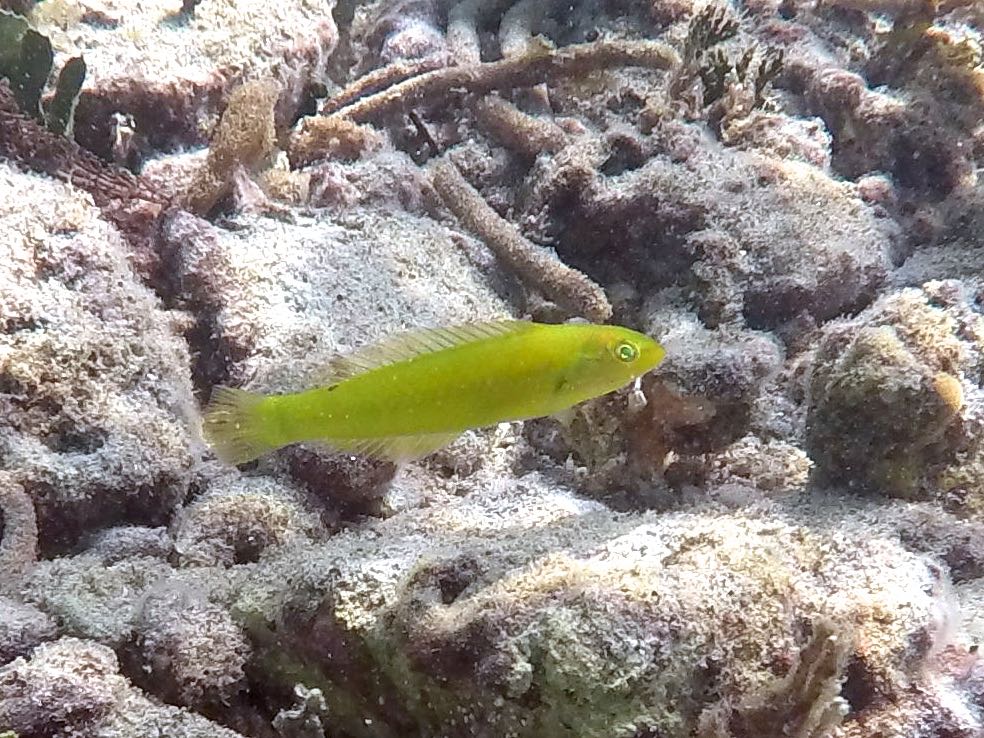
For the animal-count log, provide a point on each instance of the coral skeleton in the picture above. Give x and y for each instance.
(570, 288)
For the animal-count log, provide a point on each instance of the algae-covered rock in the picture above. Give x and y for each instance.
(95, 393)
(188, 62)
(521, 607)
(93, 600)
(875, 381)
(893, 394)
(754, 237)
(237, 519)
(123, 542)
(591, 626)
(190, 652)
(22, 628)
(276, 300)
(67, 687)
(73, 689)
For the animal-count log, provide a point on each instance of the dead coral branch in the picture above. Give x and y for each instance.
(517, 31)
(464, 20)
(524, 134)
(542, 65)
(380, 79)
(331, 137)
(568, 287)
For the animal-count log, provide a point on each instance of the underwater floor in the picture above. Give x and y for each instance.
(776, 532)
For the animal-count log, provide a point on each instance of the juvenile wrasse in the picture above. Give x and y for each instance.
(414, 393)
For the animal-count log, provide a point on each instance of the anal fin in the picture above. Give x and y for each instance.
(566, 416)
(392, 448)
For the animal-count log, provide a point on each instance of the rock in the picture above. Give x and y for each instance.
(237, 519)
(595, 621)
(96, 409)
(188, 62)
(72, 689)
(892, 406)
(22, 627)
(190, 652)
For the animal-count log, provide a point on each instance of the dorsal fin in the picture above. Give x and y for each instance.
(409, 345)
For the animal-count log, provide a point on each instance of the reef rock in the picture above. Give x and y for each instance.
(189, 56)
(96, 407)
(894, 400)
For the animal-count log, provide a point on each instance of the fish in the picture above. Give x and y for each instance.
(413, 393)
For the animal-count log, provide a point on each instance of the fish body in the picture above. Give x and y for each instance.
(414, 393)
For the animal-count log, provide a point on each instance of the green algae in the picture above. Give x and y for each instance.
(26, 61)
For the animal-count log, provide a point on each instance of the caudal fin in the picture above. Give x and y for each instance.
(234, 427)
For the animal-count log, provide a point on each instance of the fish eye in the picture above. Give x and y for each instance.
(626, 352)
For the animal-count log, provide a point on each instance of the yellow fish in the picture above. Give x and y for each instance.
(416, 392)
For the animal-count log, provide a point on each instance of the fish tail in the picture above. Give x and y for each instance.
(234, 426)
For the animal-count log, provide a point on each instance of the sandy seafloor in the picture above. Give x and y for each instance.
(778, 534)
